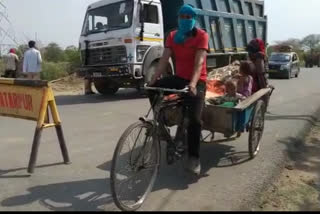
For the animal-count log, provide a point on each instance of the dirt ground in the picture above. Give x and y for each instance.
(298, 188)
(70, 85)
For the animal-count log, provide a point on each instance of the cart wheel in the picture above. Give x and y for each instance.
(256, 129)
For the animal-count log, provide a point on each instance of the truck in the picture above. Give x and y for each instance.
(312, 58)
(122, 41)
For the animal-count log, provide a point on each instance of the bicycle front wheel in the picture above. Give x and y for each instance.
(135, 166)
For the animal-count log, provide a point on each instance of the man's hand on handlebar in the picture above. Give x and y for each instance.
(192, 90)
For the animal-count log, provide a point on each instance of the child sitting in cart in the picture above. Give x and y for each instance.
(244, 79)
(238, 88)
(231, 98)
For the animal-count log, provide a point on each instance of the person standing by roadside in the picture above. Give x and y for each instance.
(32, 62)
(11, 61)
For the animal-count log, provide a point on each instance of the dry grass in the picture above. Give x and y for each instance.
(298, 188)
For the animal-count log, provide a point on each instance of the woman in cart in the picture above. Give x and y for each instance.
(257, 55)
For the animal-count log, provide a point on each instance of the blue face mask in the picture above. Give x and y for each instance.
(185, 25)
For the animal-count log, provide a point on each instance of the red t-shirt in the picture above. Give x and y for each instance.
(185, 54)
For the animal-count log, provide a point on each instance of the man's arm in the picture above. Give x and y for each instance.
(199, 60)
(260, 68)
(162, 66)
(39, 58)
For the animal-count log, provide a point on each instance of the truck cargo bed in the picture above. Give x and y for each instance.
(231, 24)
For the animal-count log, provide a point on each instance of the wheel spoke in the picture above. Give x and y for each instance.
(133, 181)
(149, 167)
(128, 179)
(128, 169)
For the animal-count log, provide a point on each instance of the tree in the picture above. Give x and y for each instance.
(72, 55)
(270, 49)
(311, 41)
(317, 48)
(295, 43)
(53, 53)
(21, 49)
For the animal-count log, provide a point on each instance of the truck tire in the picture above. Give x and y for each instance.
(105, 87)
(151, 72)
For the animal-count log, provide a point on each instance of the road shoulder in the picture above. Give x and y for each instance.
(298, 186)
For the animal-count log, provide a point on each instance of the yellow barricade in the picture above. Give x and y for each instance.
(31, 100)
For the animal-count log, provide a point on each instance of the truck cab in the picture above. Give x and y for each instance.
(114, 42)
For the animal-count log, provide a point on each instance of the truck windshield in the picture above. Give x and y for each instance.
(280, 58)
(110, 17)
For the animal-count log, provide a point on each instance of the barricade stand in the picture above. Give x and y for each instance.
(31, 100)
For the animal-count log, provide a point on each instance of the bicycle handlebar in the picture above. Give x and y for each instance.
(182, 91)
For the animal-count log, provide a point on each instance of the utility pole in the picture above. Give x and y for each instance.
(7, 33)
(3, 5)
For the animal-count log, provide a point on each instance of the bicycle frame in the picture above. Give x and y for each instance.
(158, 122)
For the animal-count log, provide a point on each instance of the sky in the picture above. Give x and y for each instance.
(61, 21)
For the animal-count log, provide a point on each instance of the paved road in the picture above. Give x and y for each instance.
(92, 127)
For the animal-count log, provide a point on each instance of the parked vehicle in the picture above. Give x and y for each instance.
(122, 41)
(284, 64)
(312, 59)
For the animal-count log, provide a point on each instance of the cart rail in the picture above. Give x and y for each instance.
(252, 99)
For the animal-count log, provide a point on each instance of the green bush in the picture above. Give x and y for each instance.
(52, 71)
(1, 67)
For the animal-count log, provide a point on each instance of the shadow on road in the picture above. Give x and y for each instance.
(296, 148)
(309, 118)
(95, 194)
(86, 195)
(3, 173)
(175, 178)
(125, 94)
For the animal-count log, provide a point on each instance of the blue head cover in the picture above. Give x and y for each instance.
(185, 25)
